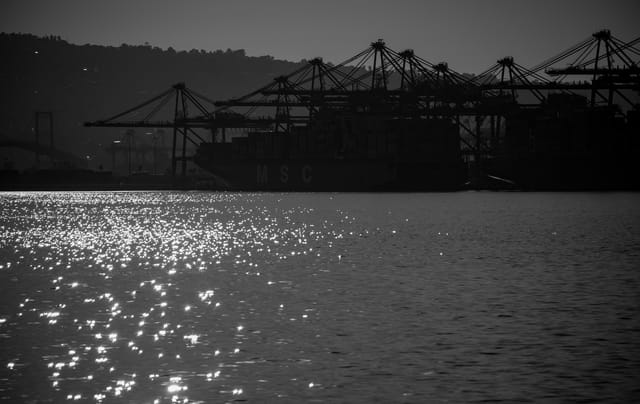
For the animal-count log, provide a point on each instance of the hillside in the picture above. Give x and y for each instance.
(89, 82)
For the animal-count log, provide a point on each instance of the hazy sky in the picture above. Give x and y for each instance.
(470, 35)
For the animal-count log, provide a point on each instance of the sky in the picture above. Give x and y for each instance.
(470, 35)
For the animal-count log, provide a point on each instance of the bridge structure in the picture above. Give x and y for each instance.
(401, 85)
(39, 150)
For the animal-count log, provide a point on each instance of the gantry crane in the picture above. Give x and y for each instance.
(399, 85)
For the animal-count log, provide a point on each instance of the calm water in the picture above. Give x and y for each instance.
(163, 297)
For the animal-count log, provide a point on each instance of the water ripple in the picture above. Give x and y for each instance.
(193, 297)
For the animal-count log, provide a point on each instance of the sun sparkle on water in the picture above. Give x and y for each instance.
(116, 238)
(200, 297)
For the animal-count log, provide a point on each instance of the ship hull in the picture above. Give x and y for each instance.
(335, 175)
(341, 152)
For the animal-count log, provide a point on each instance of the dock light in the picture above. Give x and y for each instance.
(117, 141)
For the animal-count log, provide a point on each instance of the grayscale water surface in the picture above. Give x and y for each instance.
(147, 297)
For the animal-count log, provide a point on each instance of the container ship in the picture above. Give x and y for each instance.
(341, 153)
(566, 144)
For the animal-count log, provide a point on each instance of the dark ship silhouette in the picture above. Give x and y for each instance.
(392, 121)
(342, 151)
